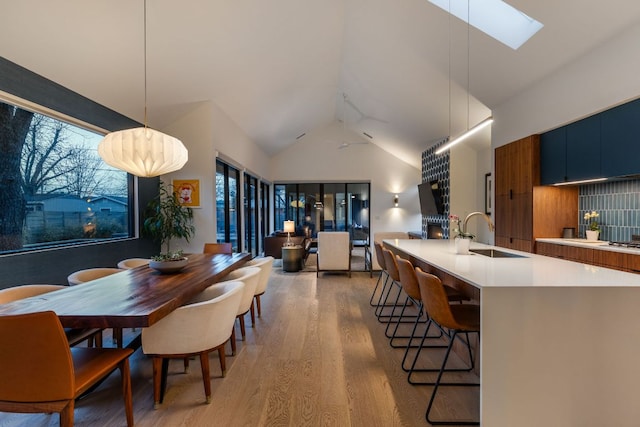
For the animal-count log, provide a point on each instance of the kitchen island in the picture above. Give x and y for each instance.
(560, 340)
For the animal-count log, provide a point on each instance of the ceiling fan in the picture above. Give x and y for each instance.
(347, 144)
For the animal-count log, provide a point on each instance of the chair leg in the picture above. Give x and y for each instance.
(66, 415)
(206, 376)
(185, 362)
(233, 340)
(258, 305)
(242, 330)
(223, 361)
(373, 294)
(125, 375)
(157, 381)
(253, 315)
(438, 383)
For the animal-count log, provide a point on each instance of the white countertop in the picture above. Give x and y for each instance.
(601, 245)
(529, 271)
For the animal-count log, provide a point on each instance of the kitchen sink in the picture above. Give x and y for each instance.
(494, 253)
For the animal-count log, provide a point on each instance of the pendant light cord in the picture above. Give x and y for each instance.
(468, 60)
(145, 63)
(449, 71)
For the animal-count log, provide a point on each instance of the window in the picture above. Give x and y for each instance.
(55, 188)
(251, 214)
(324, 207)
(228, 204)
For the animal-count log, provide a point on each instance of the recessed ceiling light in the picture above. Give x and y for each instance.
(495, 18)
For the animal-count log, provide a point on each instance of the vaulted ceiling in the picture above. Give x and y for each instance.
(279, 68)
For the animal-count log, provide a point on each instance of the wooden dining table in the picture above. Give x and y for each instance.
(134, 298)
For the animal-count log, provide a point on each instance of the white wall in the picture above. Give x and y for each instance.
(604, 77)
(468, 166)
(316, 158)
(206, 131)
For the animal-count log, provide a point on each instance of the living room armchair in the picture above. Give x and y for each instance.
(334, 252)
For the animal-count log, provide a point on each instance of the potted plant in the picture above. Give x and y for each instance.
(462, 238)
(166, 218)
(593, 230)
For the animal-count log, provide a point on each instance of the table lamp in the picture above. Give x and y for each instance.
(289, 227)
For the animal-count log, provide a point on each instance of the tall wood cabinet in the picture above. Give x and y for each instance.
(524, 210)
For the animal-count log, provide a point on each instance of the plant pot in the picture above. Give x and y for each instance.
(592, 235)
(169, 266)
(462, 245)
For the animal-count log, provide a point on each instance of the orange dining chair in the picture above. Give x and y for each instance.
(41, 373)
(218, 248)
(83, 276)
(74, 335)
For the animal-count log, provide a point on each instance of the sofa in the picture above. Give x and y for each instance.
(273, 244)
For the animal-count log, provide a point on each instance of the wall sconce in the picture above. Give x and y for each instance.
(395, 201)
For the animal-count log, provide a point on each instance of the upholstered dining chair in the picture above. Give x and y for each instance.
(265, 264)
(218, 248)
(129, 263)
(83, 276)
(41, 373)
(89, 274)
(74, 335)
(197, 328)
(334, 252)
(250, 277)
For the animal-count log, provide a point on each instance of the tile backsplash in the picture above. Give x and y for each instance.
(618, 204)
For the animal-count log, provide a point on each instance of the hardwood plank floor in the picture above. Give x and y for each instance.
(317, 357)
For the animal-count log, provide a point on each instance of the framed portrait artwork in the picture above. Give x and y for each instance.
(188, 191)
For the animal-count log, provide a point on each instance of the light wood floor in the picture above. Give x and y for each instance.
(316, 357)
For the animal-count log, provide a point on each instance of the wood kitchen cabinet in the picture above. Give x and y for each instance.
(517, 167)
(524, 210)
(598, 257)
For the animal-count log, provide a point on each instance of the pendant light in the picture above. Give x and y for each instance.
(142, 151)
(486, 122)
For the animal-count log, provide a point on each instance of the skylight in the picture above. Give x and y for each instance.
(495, 18)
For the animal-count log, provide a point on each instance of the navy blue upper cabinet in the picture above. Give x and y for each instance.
(621, 140)
(553, 156)
(583, 149)
(604, 145)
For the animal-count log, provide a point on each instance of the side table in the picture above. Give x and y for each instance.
(292, 258)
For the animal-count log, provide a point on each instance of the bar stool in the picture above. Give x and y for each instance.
(392, 269)
(383, 273)
(409, 282)
(387, 286)
(456, 318)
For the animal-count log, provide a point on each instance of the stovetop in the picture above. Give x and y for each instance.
(633, 243)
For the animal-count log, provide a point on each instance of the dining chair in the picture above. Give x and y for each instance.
(129, 263)
(75, 336)
(334, 252)
(41, 373)
(250, 277)
(218, 248)
(197, 328)
(452, 320)
(83, 276)
(265, 264)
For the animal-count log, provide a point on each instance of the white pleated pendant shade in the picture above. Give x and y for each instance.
(143, 152)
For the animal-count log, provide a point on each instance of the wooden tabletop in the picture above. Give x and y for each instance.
(132, 298)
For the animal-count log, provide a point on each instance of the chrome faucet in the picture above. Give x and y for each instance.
(486, 218)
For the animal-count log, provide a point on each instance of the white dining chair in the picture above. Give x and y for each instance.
(265, 264)
(203, 325)
(129, 263)
(249, 276)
